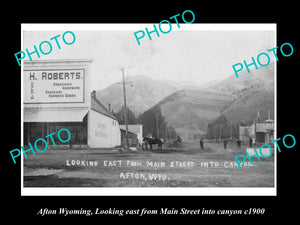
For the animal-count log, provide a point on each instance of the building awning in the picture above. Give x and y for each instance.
(55, 115)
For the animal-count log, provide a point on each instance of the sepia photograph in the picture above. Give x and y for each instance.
(104, 115)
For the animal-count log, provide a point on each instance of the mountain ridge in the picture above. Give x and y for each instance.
(142, 93)
(240, 99)
(189, 109)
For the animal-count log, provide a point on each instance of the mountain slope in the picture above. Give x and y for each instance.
(240, 99)
(254, 91)
(189, 111)
(263, 76)
(246, 107)
(141, 93)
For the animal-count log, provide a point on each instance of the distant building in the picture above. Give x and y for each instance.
(132, 138)
(136, 129)
(246, 132)
(264, 132)
(259, 132)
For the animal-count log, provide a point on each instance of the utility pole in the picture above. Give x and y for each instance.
(230, 129)
(126, 119)
(166, 133)
(157, 131)
(214, 133)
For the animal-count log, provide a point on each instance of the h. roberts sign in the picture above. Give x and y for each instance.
(54, 86)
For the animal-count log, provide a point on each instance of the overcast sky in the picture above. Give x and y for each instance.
(195, 56)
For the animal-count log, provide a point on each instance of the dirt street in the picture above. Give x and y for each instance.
(185, 166)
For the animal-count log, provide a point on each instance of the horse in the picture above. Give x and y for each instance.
(153, 141)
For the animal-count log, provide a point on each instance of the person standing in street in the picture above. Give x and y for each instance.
(250, 142)
(225, 143)
(238, 143)
(201, 143)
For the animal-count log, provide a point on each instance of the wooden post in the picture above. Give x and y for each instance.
(126, 119)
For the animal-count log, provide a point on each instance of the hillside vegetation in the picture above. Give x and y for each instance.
(189, 110)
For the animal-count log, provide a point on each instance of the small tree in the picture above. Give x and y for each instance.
(120, 115)
(219, 129)
(153, 121)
